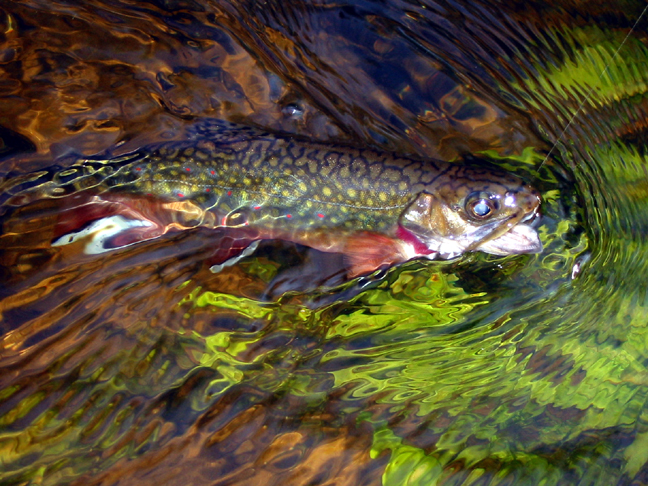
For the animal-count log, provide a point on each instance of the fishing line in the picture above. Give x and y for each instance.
(589, 93)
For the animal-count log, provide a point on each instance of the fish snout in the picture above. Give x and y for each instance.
(527, 200)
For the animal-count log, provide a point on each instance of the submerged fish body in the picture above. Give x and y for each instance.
(376, 208)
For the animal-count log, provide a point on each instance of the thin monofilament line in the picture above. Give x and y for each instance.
(589, 93)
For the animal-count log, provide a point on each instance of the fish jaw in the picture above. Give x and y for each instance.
(516, 239)
(521, 238)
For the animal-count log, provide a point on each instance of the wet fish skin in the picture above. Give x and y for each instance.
(329, 197)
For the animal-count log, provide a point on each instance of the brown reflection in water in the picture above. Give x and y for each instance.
(85, 78)
(95, 364)
(265, 443)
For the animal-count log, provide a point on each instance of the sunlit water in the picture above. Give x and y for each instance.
(143, 367)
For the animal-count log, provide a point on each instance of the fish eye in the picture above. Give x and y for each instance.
(480, 206)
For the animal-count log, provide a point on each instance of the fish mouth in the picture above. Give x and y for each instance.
(511, 236)
(521, 238)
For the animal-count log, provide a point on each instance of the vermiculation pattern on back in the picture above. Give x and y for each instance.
(227, 168)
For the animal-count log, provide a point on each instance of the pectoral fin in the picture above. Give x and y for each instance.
(366, 252)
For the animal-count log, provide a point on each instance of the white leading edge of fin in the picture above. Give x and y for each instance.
(100, 231)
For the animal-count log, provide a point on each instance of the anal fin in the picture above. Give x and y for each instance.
(110, 233)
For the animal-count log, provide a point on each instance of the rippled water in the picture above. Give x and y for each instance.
(143, 367)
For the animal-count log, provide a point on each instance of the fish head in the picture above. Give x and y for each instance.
(473, 208)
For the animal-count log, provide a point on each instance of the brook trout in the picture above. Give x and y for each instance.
(378, 209)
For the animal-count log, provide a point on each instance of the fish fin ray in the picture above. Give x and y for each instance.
(366, 252)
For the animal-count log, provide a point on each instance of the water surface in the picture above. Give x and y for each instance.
(143, 367)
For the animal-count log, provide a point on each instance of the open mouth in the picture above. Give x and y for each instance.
(521, 238)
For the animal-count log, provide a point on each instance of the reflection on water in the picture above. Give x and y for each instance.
(143, 367)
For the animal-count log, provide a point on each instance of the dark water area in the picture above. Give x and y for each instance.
(142, 366)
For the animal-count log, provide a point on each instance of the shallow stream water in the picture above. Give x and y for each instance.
(143, 367)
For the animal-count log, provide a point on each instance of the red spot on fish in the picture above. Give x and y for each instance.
(229, 193)
(224, 221)
(213, 172)
(320, 215)
(138, 168)
(257, 207)
(208, 189)
(288, 215)
(187, 169)
(246, 223)
(180, 195)
(149, 194)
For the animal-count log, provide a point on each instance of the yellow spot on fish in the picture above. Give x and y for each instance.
(302, 187)
(327, 191)
(382, 196)
(352, 192)
(345, 173)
